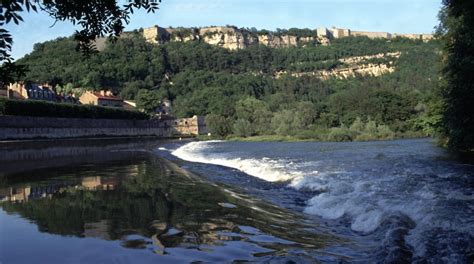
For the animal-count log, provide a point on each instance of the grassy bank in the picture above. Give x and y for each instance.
(323, 137)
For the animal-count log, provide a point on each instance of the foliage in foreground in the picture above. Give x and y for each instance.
(457, 29)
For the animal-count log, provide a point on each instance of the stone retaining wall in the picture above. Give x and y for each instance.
(24, 127)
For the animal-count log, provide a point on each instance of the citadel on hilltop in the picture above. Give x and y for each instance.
(231, 37)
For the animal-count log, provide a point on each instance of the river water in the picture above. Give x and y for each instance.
(399, 200)
(148, 201)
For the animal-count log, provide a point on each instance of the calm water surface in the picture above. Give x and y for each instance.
(167, 202)
(120, 203)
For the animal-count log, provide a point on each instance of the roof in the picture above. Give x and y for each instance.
(107, 97)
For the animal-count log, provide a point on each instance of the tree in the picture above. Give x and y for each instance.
(148, 100)
(131, 90)
(307, 112)
(255, 112)
(286, 123)
(96, 19)
(218, 125)
(243, 128)
(457, 31)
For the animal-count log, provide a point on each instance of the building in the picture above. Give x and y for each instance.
(129, 105)
(102, 98)
(195, 125)
(19, 194)
(99, 183)
(67, 99)
(427, 37)
(322, 32)
(340, 32)
(157, 35)
(408, 36)
(23, 91)
(372, 35)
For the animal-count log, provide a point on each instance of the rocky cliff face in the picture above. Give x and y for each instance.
(233, 38)
(228, 37)
(352, 66)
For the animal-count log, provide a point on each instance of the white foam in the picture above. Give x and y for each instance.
(365, 198)
(263, 168)
(367, 221)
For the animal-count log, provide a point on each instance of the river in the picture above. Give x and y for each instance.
(219, 201)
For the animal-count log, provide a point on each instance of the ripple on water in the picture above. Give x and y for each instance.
(418, 203)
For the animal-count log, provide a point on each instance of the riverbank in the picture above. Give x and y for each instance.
(315, 138)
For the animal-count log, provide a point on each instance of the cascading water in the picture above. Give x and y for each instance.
(404, 194)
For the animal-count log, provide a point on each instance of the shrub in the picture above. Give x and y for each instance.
(371, 127)
(311, 134)
(218, 125)
(340, 134)
(285, 123)
(243, 128)
(384, 132)
(48, 109)
(358, 125)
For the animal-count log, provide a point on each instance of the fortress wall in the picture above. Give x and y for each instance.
(151, 34)
(371, 34)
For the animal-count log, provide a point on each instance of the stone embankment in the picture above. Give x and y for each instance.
(24, 127)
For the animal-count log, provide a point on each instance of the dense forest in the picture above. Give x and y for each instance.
(257, 91)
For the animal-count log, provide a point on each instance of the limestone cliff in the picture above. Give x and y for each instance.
(229, 37)
(234, 38)
(226, 37)
(352, 66)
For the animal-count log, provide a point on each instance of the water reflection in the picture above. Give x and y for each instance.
(148, 203)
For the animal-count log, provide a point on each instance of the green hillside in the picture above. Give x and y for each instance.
(264, 91)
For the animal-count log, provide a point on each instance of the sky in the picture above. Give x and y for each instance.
(394, 16)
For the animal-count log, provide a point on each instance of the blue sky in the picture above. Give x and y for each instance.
(395, 16)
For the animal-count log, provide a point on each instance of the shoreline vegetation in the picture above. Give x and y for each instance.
(321, 138)
(296, 138)
(357, 131)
